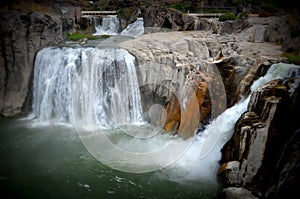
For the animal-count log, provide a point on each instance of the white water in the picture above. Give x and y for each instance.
(95, 87)
(98, 87)
(108, 25)
(201, 160)
(135, 29)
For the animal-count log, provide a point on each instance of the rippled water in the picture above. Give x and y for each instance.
(52, 162)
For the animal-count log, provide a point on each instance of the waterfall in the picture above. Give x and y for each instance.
(96, 87)
(201, 160)
(135, 29)
(108, 25)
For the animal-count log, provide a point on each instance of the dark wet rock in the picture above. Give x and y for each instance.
(22, 35)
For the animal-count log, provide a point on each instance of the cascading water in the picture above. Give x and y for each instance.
(107, 25)
(135, 29)
(97, 87)
(201, 160)
(110, 26)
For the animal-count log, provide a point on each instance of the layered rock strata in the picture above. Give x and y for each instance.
(171, 65)
(22, 35)
(263, 155)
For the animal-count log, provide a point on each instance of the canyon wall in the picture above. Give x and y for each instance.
(263, 156)
(22, 35)
(206, 67)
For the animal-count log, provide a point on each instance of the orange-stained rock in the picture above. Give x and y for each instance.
(173, 114)
(192, 107)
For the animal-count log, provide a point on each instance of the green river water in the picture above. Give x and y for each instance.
(52, 162)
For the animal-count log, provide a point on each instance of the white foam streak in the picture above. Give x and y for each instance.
(201, 160)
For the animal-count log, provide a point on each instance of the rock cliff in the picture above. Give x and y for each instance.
(263, 155)
(171, 65)
(22, 35)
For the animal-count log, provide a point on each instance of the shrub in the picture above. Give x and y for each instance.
(243, 15)
(293, 58)
(183, 7)
(227, 16)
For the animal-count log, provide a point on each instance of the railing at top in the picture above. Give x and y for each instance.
(205, 14)
(97, 13)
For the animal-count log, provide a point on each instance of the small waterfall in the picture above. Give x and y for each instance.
(108, 25)
(135, 29)
(201, 160)
(96, 87)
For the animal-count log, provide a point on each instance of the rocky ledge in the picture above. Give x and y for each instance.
(196, 75)
(263, 156)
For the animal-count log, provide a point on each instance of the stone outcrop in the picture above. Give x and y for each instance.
(22, 35)
(281, 30)
(164, 61)
(263, 155)
(235, 193)
(156, 16)
(169, 63)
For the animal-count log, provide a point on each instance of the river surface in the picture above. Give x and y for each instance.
(52, 162)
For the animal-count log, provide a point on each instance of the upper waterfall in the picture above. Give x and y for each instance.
(135, 29)
(95, 86)
(107, 25)
(110, 25)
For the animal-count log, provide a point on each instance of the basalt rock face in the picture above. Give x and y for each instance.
(155, 16)
(263, 155)
(283, 30)
(184, 72)
(22, 35)
(174, 70)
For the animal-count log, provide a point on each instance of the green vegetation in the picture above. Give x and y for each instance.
(184, 7)
(242, 15)
(293, 58)
(104, 36)
(227, 16)
(77, 36)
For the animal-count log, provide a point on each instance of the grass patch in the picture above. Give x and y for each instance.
(293, 58)
(77, 36)
(184, 7)
(104, 36)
